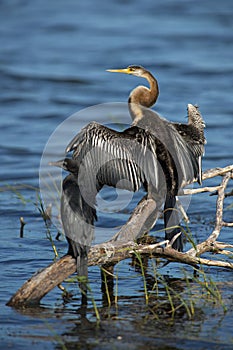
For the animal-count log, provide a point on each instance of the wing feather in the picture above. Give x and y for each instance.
(111, 156)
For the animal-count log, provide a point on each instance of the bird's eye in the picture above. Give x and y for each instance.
(132, 69)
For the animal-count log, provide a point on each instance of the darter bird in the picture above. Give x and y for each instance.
(153, 153)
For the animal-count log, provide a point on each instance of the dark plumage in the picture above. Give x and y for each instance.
(154, 153)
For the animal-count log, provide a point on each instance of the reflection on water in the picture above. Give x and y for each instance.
(52, 64)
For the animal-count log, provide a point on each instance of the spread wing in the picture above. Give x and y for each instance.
(154, 152)
(125, 159)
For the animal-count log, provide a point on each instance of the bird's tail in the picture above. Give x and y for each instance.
(80, 253)
(82, 270)
(172, 223)
(195, 118)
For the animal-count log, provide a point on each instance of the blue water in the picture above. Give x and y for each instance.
(53, 59)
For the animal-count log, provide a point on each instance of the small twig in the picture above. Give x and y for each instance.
(227, 224)
(225, 252)
(223, 245)
(170, 243)
(204, 246)
(217, 263)
(219, 208)
(229, 194)
(22, 224)
(148, 247)
(208, 174)
(189, 191)
(182, 211)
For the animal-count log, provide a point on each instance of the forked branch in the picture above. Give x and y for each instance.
(118, 248)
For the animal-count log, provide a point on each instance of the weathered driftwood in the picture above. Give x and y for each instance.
(111, 252)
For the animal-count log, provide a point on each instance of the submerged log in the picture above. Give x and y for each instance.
(34, 289)
(118, 248)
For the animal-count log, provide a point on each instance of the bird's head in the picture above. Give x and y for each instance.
(138, 71)
(67, 164)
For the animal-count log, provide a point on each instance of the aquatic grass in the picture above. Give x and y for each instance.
(47, 223)
(190, 294)
(186, 231)
(210, 288)
(188, 298)
(169, 301)
(56, 336)
(188, 235)
(16, 191)
(52, 188)
(146, 295)
(38, 204)
(22, 199)
(75, 279)
(94, 303)
(104, 274)
(116, 290)
(207, 284)
(66, 295)
(171, 297)
(176, 300)
(155, 288)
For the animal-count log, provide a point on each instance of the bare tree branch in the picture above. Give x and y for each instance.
(208, 174)
(118, 248)
(204, 246)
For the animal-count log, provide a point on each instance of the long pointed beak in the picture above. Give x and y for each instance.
(58, 163)
(124, 70)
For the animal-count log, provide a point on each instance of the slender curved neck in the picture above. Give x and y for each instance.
(143, 96)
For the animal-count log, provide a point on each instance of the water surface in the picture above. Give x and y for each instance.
(53, 59)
